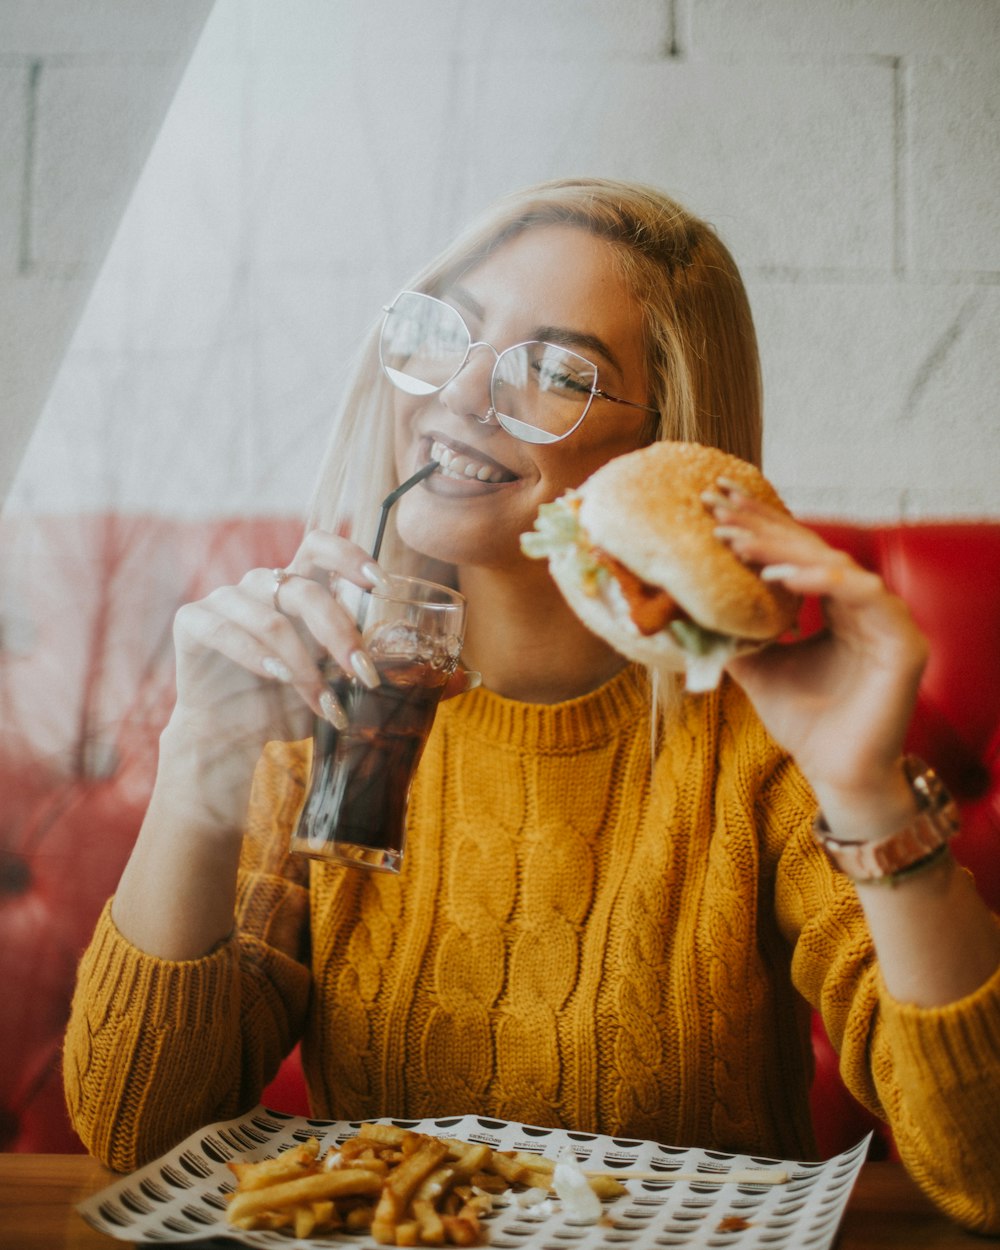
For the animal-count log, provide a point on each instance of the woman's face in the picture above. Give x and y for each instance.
(551, 282)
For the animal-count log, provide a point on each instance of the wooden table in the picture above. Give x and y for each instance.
(38, 1194)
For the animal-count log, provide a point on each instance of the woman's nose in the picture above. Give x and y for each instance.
(468, 393)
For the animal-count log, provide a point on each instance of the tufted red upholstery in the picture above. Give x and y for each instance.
(86, 684)
(949, 575)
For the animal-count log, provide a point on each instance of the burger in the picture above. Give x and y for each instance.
(634, 552)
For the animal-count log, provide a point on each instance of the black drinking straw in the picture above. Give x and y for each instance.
(391, 498)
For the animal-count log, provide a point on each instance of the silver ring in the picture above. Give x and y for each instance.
(280, 577)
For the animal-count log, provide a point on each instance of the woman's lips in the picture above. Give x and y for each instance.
(463, 464)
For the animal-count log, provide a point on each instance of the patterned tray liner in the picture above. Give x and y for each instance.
(180, 1198)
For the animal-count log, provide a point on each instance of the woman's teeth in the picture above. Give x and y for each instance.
(453, 464)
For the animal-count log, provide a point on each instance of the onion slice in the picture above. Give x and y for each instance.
(569, 1180)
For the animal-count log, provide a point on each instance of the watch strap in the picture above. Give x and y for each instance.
(921, 842)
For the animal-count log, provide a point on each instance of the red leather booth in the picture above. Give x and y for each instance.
(86, 684)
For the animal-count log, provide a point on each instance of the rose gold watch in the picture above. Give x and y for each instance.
(922, 842)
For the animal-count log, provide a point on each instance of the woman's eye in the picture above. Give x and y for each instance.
(555, 379)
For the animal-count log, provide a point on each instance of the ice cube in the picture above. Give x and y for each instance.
(398, 640)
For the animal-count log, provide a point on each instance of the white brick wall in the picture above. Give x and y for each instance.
(84, 85)
(316, 152)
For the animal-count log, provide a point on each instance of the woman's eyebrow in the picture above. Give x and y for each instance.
(562, 336)
(578, 340)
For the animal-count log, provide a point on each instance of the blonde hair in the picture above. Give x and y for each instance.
(700, 346)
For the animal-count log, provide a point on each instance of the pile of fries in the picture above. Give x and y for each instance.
(402, 1188)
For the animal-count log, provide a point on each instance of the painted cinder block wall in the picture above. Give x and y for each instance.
(316, 152)
(84, 86)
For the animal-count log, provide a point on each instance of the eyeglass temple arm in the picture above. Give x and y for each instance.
(629, 403)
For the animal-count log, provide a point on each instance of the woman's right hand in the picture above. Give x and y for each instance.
(247, 672)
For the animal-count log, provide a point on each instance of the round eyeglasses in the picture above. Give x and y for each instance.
(539, 392)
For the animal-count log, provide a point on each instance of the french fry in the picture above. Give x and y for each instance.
(520, 1167)
(400, 1186)
(475, 1206)
(606, 1186)
(326, 1215)
(303, 1220)
(406, 1233)
(468, 1157)
(461, 1232)
(536, 1180)
(436, 1184)
(294, 1162)
(320, 1185)
(506, 1164)
(359, 1219)
(388, 1134)
(429, 1222)
(270, 1220)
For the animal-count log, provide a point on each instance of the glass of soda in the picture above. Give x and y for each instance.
(355, 807)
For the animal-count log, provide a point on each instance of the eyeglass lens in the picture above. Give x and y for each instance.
(540, 391)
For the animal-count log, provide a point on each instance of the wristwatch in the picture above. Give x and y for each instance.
(920, 844)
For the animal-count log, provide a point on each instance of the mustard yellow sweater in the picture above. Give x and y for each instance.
(580, 936)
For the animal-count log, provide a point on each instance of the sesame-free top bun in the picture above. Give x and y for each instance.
(645, 509)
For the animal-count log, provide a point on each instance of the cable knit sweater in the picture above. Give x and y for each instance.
(581, 936)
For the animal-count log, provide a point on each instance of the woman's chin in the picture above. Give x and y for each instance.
(456, 544)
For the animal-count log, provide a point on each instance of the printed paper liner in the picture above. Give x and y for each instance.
(182, 1196)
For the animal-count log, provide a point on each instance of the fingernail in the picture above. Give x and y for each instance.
(375, 575)
(332, 710)
(727, 484)
(778, 572)
(729, 532)
(713, 499)
(473, 679)
(366, 671)
(274, 667)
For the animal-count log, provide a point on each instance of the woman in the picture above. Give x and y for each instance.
(583, 934)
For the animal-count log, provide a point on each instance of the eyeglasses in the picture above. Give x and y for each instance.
(539, 392)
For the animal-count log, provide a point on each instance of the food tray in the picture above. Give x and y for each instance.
(181, 1197)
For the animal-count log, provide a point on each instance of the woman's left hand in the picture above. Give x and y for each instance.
(839, 701)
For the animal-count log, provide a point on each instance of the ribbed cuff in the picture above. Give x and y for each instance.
(167, 994)
(946, 1043)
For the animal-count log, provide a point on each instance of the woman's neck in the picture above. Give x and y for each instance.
(527, 643)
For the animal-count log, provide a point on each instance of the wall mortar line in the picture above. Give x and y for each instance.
(677, 30)
(901, 187)
(26, 258)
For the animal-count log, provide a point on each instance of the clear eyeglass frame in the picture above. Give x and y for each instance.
(431, 322)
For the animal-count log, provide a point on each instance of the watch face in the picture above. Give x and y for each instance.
(934, 796)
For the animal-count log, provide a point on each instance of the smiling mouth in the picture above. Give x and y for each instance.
(464, 467)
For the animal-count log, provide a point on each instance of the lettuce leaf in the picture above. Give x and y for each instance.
(556, 527)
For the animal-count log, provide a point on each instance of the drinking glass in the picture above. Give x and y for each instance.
(355, 808)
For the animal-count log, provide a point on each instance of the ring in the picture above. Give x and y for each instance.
(280, 577)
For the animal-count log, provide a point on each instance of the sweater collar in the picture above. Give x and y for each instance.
(589, 720)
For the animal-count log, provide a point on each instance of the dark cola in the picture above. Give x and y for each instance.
(356, 807)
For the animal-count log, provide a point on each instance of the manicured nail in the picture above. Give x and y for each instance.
(332, 710)
(713, 499)
(275, 668)
(727, 484)
(366, 671)
(778, 572)
(473, 679)
(729, 532)
(375, 575)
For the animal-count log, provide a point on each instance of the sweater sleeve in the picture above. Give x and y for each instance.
(932, 1073)
(155, 1048)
